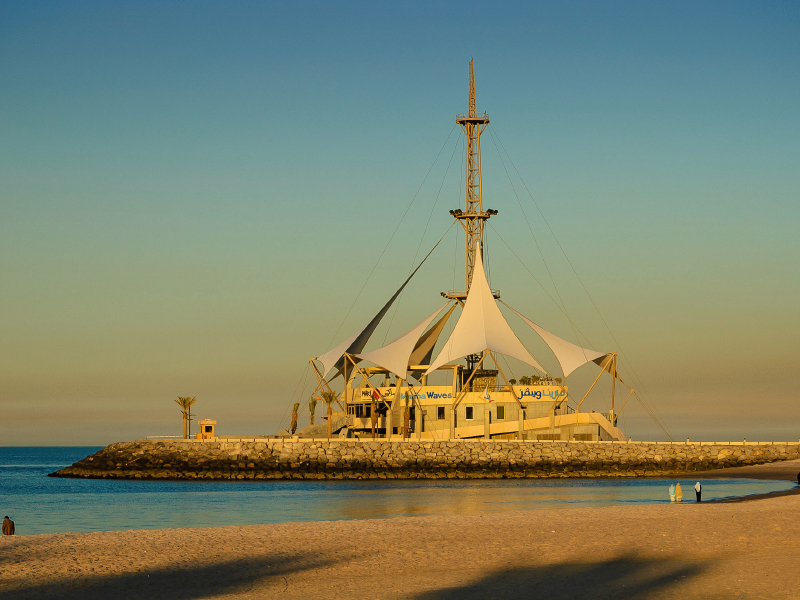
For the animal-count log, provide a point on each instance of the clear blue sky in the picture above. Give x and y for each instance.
(192, 195)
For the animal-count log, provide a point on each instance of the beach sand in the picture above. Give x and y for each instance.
(786, 470)
(689, 550)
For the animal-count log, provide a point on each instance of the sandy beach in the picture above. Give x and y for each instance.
(707, 550)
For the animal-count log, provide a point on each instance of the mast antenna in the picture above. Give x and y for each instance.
(474, 217)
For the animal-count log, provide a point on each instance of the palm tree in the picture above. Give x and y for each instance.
(293, 426)
(329, 398)
(185, 402)
(312, 407)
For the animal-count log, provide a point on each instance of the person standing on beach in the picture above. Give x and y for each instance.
(8, 526)
(698, 489)
(672, 492)
(679, 493)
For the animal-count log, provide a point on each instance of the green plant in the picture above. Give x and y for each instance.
(329, 398)
(185, 402)
(312, 407)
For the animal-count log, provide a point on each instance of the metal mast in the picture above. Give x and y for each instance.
(473, 218)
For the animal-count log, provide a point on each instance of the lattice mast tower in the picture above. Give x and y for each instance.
(473, 219)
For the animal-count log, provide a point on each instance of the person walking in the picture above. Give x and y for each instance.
(698, 489)
(679, 493)
(8, 526)
(672, 492)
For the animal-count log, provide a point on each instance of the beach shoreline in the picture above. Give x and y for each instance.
(706, 550)
(787, 470)
(655, 551)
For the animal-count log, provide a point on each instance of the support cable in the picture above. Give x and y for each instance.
(302, 380)
(624, 356)
(391, 238)
(421, 239)
(530, 228)
(544, 289)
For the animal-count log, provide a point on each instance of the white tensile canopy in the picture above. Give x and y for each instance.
(395, 356)
(424, 349)
(355, 343)
(569, 356)
(480, 327)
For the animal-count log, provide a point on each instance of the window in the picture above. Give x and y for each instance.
(208, 428)
(501, 412)
(468, 413)
(440, 413)
(583, 437)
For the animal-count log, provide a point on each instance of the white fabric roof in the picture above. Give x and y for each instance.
(331, 357)
(482, 326)
(395, 356)
(355, 343)
(423, 352)
(569, 356)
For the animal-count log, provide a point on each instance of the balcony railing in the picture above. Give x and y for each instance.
(482, 115)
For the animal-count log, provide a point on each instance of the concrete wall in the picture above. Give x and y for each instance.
(358, 459)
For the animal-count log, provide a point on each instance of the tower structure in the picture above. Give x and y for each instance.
(473, 218)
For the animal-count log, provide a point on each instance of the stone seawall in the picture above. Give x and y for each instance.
(380, 459)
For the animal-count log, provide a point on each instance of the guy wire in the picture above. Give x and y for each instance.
(421, 239)
(623, 355)
(390, 239)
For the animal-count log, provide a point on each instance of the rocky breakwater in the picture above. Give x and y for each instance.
(380, 459)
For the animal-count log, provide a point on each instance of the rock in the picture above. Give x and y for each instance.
(343, 458)
(320, 430)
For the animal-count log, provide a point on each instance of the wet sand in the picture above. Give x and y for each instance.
(785, 470)
(689, 550)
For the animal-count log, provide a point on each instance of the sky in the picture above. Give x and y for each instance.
(195, 198)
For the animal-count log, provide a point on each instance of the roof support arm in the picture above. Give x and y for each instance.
(466, 384)
(596, 379)
(321, 383)
(511, 387)
(366, 379)
(616, 416)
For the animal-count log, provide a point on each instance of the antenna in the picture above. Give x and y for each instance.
(472, 220)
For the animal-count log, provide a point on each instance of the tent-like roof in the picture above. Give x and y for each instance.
(355, 343)
(395, 355)
(569, 356)
(482, 326)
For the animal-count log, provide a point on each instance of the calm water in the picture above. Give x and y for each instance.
(41, 504)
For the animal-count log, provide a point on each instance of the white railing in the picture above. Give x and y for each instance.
(398, 438)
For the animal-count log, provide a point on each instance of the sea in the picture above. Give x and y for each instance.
(41, 504)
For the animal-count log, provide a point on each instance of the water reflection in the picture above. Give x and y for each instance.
(40, 504)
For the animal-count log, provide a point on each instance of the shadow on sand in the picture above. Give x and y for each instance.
(629, 577)
(626, 577)
(270, 574)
